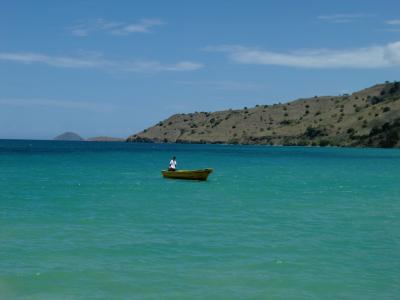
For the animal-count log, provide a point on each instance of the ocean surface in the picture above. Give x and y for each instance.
(85, 220)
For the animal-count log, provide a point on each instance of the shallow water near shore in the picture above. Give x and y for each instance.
(83, 220)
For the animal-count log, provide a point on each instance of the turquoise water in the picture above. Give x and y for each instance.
(97, 221)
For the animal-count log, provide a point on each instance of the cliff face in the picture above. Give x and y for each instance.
(370, 117)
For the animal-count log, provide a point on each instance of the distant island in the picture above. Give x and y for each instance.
(367, 118)
(68, 136)
(72, 136)
(105, 139)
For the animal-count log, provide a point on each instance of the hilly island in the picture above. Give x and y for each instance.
(367, 118)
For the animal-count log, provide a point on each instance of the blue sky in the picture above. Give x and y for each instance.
(116, 67)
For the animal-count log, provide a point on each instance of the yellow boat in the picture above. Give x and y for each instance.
(187, 174)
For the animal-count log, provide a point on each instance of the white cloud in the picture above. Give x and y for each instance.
(83, 29)
(56, 61)
(155, 66)
(97, 61)
(393, 22)
(61, 104)
(368, 57)
(343, 18)
(394, 26)
(144, 26)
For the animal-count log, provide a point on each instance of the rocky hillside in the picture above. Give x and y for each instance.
(370, 117)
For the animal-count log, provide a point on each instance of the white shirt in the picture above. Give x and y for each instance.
(172, 164)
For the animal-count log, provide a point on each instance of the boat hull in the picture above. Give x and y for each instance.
(187, 174)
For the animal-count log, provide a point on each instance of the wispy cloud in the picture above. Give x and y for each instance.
(144, 26)
(368, 57)
(83, 29)
(394, 26)
(393, 22)
(89, 61)
(60, 104)
(225, 85)
(343, 18)
(155, 66)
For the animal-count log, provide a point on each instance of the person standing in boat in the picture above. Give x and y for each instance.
(172, 164)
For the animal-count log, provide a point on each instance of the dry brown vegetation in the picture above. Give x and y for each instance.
(370, 117)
